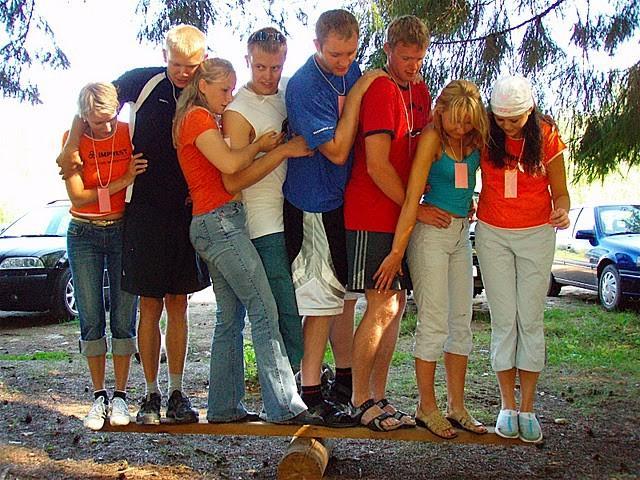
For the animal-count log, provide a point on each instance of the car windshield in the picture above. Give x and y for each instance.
(51, 220)
(620, 219)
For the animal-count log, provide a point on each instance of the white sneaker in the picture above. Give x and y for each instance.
(96, 416)
(119, 412)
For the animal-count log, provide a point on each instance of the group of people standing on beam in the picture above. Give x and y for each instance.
(295, 198)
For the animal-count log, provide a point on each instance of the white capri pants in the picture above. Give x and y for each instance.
(515, 266)
(440, 265)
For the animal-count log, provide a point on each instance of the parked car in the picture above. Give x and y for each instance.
(34, 268)
(600, 251)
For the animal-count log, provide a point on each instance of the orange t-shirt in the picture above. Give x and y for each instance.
(203, 178)
(120, 145)
(532, 205)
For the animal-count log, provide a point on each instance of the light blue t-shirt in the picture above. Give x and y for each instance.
(442, 192)
(315, 184)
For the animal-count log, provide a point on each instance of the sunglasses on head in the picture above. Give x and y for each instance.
(263, 36)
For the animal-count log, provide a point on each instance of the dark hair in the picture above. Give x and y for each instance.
(531, 159)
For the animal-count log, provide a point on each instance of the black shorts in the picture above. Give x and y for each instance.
(157, 257)
(365, 253)
(333, 222)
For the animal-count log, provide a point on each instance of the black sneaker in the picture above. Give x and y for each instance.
(333, 415)
(179, 409)
(149, 413)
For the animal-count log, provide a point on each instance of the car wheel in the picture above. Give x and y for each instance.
(609, 290)
(64, 301)
(554, 287)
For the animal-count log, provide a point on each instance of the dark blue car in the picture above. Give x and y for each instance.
(600, 251)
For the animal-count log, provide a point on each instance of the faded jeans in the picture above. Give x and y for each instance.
(91, 249)
(240, 282)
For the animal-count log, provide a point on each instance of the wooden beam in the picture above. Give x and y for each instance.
(264, 429)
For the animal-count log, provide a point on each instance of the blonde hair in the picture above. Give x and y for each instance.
(98, 97)
(409, 30)
(211, 70)
(461, 98)
(340, 22)
(185, 40)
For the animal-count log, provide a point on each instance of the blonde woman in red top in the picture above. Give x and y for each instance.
(94, 242)
(524, 198)
(219, 235)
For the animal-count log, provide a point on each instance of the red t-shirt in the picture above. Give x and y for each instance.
(203, 178)
(384, 109)
(120, 144)
(532, 205)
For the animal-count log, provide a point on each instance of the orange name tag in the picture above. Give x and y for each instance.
(461, 175)
(511, 183)
(340, 104)
(104, 200)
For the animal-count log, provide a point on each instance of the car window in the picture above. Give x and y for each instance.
(49, 220)
(585, 221)
(620, 219)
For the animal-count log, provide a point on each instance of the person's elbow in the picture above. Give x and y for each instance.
(337, 157)
(230, 185)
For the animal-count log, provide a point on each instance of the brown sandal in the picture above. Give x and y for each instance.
(435, 423)
(465, 421)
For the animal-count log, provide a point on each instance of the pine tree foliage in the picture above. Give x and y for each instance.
(554, 43)
(558, 44)
(28, 41)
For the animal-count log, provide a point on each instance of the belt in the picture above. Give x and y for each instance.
(97, 223)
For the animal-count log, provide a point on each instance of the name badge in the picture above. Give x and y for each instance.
(340, 104)
(461, 175)
(104, 199)
(511, 183)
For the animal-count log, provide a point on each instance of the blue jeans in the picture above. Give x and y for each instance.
(273, 252)
(90, 250)
(240, 282)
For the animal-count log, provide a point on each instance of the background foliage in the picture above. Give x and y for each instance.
(559, 44)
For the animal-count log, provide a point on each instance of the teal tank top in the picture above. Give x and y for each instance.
(442, 192)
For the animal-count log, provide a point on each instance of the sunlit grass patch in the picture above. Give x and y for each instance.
(46, 356)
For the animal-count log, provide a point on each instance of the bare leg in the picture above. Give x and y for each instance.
(97, 370)
(425, 377)
(177, 334)
(149, 336)
(315, 332)
(507, 383)
(121, 364)
(341, 335)
(380, 373)
(382, 308)
(456, 370)
(528, 383)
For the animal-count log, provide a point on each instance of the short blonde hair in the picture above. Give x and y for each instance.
(341, 22)
(461, 98)
(409, 30)
(98, 97)
(185, 40)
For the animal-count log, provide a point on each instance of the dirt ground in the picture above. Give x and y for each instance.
(42, 436)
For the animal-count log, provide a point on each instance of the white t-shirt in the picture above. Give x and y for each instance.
(263, 200)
